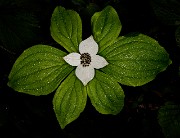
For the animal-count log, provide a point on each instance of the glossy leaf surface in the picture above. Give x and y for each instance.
(106, 27)
(106, 94)
(39, 70)
(135, 59)
(69, 100)
(66, 28)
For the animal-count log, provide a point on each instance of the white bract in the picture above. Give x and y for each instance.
(87, 60)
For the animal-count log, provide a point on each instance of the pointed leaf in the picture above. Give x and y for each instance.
(169, 120)
(39, 70)
(69, 100)
(106, 94)
(66, 28)
(135, 60)
(106, 27)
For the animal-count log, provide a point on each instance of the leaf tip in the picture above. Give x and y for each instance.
(62, 125)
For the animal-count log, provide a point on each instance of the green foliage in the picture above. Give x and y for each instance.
(135, 59)
(39, 70)
(106, 94)
(169, 120)
(106, 27)
(66, 28)
(69, 100)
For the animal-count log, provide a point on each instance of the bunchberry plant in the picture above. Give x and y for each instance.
(93, 67)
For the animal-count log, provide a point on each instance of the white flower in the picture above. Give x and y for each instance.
(87, 60)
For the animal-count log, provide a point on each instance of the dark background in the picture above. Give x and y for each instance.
(24, 23)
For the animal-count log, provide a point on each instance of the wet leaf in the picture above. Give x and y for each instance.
(106, 94)
(106, 27)
(66, 28)
(39, 70)
(135, 59)
(69, 100)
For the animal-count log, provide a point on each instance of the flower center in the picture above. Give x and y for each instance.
(85, 59)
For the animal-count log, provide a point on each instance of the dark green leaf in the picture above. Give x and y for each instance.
(18, 28)
(167, 11)
(39, 70)
(106, 94)
(169, 120)
(66, 28)
(69, 100)
(106, 27)
(135, 60)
